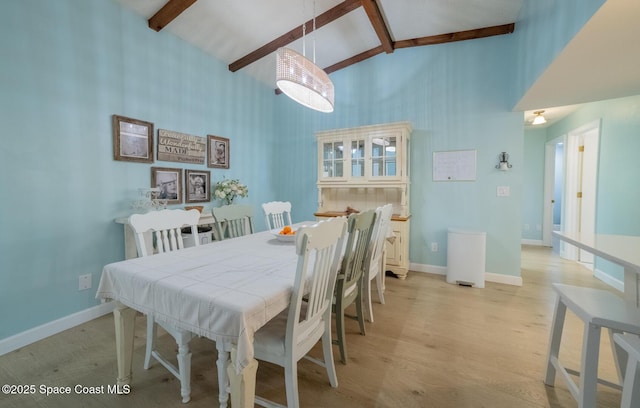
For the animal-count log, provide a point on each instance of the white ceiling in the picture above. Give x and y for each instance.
(601, 62)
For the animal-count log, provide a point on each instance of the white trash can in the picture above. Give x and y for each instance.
(466, 257)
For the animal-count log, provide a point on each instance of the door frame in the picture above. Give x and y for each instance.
(549, 187)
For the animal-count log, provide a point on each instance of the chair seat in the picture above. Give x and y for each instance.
(269, 340)
(600, 307)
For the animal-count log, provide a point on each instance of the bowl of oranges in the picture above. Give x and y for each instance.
(286, 234)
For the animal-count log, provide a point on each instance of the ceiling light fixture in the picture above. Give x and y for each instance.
(301, 79)
(538, 119)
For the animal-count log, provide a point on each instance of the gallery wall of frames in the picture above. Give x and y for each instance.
(134, 141)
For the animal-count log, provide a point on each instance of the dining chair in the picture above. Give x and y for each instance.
(350, 277)
(277, 214)
(598, 309)
(375, 263)
(232, 221)
(288, 337)
(631, 386)
(165, 227)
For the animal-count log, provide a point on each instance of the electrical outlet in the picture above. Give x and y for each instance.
(526, 227)
(84, 282)
(434, 247)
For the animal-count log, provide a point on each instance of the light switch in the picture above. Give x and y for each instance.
(504, 191)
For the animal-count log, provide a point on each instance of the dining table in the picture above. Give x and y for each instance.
(224, 291)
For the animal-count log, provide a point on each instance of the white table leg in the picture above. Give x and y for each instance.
(632, 286)
(243, 385)
(223, 378)
(124, 319)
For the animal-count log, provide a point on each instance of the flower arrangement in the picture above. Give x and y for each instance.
(228, 190)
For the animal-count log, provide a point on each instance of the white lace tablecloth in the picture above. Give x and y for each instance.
(224, 291)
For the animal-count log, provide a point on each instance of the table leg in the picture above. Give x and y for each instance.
(223, 378)
(243, 385)
(124, 319)
(632, 286)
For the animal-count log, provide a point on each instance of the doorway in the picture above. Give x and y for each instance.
(553, 188)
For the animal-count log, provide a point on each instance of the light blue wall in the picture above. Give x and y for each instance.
(533, 183)
(544, 28)
(457, 97)
(67, 66)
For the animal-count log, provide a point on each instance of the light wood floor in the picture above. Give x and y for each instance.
(432, 345)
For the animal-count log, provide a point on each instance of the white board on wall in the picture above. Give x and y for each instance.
(454, 165)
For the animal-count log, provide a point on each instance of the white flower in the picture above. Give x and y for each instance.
(228, 190)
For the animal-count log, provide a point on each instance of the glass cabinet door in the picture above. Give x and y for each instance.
(357, 158)
(383, 157)
(332, 159)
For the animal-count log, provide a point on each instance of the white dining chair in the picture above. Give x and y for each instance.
(164, 229)
(291, 335)
(375, 266)
(598, 309)
(277, 214)
(631, 386)
(232, 221)
(349, 283)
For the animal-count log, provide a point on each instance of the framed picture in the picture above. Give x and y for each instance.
(132, 140)
(197, 184)
(169, 181)
(218, 148)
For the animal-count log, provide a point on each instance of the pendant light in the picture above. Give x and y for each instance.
(301, 79)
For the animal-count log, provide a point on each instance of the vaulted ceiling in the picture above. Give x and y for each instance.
(601, 62)
(246, 33)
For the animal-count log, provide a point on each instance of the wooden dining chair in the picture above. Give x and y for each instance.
(288, 338)
(164, 229)
(233, 220)
(631, 386)
(277, 214)
(375, 262)
(350, 277)
(598, 309)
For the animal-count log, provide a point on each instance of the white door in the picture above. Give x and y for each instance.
(587, 202)
(579, 197)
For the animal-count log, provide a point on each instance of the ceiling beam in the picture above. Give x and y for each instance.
(377, 21)
(323, 19)
(457, 36)
(355, 59)
(168, 13)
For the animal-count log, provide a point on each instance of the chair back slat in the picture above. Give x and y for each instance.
(358, 247)
(319, 249)
(277, 214)
(165, 226)
(233, 220)
(378, 238)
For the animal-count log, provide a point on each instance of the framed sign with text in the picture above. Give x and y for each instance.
(181, 147)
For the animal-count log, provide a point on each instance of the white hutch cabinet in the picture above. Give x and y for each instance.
(363, 168)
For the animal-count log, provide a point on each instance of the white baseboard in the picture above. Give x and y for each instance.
(536, 242)
(25, 338)
(488, 276)
(614, 283)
